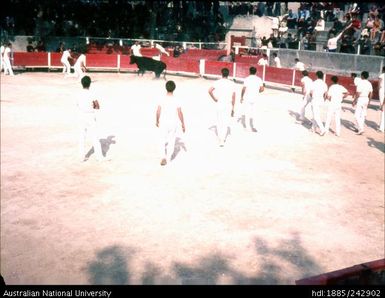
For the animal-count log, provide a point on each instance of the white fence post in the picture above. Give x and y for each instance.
(202, 66)
(118, 62)
(234, 70)
(49, 60)
(293, 80)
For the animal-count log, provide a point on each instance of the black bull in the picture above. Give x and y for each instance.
(145, 63)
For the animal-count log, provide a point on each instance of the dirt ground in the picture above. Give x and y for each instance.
(270, 207)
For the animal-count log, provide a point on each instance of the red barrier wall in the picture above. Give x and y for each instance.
(30, 59)
(242, 70)
(125, 63)
(101, 60)
(279, 75)
(247, 59)
(178, 64)
(186, 64)
(214, 67)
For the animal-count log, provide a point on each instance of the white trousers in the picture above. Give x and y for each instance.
(223, 121)
(168, 134)
(382, 120)
(336, 112)
(66, 66)
(8, 67)
(250, 111)
(316, 121)
(360, 113)
(88, 127)
(305, 101)
(79, 72)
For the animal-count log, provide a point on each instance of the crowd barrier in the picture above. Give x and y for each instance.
(238, 70)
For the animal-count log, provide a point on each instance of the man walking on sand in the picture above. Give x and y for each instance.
(223, 93)
(168, 113)
(87, 104)
(252, 86)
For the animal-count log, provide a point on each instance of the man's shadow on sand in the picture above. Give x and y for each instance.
(105, 143)
(179, 145)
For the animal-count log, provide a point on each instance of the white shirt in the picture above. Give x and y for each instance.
(381, 82)
(169, 105)
(320, 25)
(307, 84)
(364, 87)
(80, 61)
(252, 83)
(136, 50)
(319, 88)
(277, 62)
(7, 53)
(65, 56)
(262, 61)
(356, 81)
(336, 93)
(85, 101)
(381, 91)
(300, 66)
(223, 91)
(2, 49)
(332, 43)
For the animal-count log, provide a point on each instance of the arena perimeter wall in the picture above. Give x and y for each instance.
(284, 77)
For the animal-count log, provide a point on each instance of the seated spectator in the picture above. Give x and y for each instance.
(292, 19)
(292, 42)
(30, 47)
(40, 47)
(347, 45)
(376, 28)
(178, 50)
(60, 48)
(365, 45)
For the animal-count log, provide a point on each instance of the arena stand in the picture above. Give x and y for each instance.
(191, 65)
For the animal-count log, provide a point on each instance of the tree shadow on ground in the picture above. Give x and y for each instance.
(275, 266)
(109, 268)
(375, 144)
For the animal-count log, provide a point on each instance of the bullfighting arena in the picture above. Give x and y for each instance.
(269, 207)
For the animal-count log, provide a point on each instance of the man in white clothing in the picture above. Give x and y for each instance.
(252, 86)
(2, 49)
(79, 66)
(381, 96)
(277, 61)
(168, 114)
(299, 65)
(318, 94)
(223, 93)
(263, 61)
(336, 94)
(362, 99)
(135, 49)
(162, 50)
(64, 60)
(306, 84)
(7, 57)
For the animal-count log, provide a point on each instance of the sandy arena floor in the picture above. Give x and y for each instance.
(269, 208)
